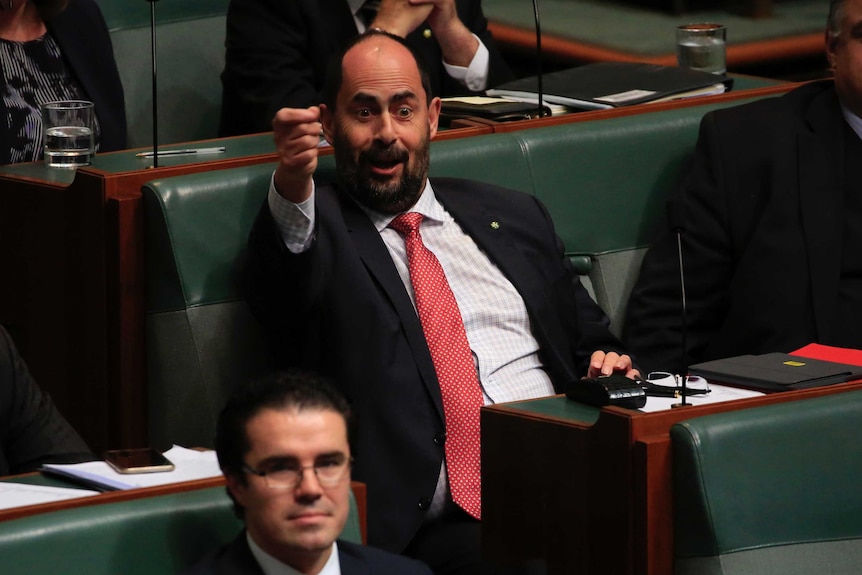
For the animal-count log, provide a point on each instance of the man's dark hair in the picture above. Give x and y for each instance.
(332, 83)
(294, 389)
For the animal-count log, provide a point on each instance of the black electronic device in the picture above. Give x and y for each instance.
(613, 389)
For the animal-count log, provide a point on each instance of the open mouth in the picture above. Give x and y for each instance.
(385, 164)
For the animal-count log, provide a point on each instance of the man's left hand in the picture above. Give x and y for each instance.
(602, 363)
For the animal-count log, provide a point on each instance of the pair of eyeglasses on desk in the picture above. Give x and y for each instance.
(665, 384)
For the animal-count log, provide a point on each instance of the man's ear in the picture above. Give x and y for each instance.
(326, 121)
(434, 115)
(237, 487)
(831, 49)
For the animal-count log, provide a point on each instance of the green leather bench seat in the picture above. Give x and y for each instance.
(604, 183)
(190, 37)
(770, 490)
(149, 536)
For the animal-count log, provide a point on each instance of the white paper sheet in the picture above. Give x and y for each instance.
(189, 464)
(21, 494)
(717, 394)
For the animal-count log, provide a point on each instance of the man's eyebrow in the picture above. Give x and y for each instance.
(363, 98)
(366, 99)
(404, 95)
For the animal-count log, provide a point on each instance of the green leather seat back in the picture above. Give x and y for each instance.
(148, 536)
(770, 490)
(190, 36)
(201, 338)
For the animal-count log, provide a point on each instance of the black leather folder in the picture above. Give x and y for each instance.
(776, 371)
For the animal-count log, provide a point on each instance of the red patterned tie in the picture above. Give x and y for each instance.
(453, 362)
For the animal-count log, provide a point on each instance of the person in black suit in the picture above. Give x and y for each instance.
(772, 216)
(329, 281)
(32, 431)
(56, 50)
(282, 444)
(277, 51)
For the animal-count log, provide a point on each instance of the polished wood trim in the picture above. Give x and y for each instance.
(761, 51)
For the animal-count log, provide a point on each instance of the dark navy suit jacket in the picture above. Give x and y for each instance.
(236, 559)
(341, 309)
(763, 211)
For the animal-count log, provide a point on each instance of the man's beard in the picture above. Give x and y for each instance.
(385, 197)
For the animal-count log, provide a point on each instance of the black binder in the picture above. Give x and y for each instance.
(776, 371)
(614, 84)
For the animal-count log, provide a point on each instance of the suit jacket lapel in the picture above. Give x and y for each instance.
(350, 564)
(821, 193)
(376, 258)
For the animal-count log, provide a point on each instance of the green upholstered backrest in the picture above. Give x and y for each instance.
(147, 536)
(201, 339)
(770, 490)
(190, 37)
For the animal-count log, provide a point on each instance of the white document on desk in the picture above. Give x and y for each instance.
(22, 494)
(717, 394)
(189, 465)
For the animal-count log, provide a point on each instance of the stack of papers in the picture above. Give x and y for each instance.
(23, 494)
(189, 465)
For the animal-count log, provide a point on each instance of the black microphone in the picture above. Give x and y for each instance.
(675, 220)
(155, 85)
(538, 56)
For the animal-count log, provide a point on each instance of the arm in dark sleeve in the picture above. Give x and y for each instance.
(653, 323)
(32, 431)
(276, 56)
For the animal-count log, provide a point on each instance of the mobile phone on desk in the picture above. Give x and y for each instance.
(144, 460)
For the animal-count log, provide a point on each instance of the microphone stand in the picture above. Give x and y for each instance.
(675, 217)
(538, 57)
(155, 84)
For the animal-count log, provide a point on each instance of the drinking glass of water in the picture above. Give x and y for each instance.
(702, 47)
(67, 127)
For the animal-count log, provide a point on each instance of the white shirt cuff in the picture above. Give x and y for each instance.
(474, 76)
(295, 222)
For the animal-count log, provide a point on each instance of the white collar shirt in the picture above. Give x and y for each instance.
(272, 566)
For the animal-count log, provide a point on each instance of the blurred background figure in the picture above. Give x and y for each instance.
(32, 431)
(55, 50)
(278, 51)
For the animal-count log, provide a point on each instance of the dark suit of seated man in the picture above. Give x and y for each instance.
(282, 445)
(277, 51)
(773, 219)
(32, 431)
(337, 288)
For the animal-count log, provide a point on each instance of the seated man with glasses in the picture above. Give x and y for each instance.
(282, 446)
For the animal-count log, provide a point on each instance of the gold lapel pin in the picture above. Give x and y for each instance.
(426, 33)
(495, 225)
